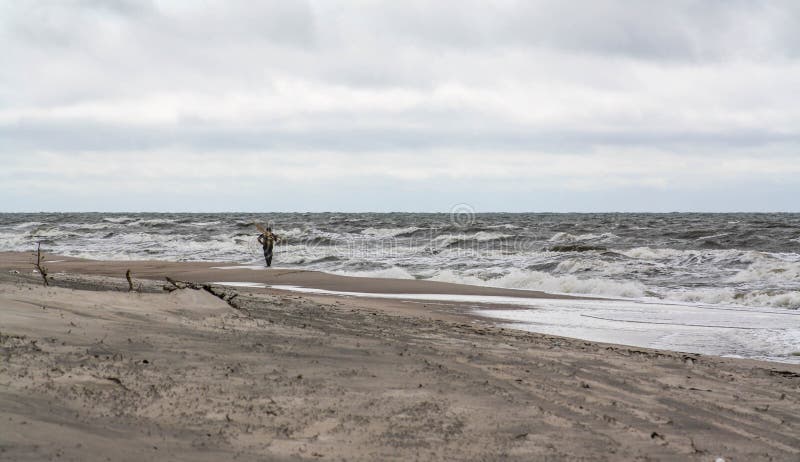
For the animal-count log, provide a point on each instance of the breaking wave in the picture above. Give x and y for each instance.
(737, 259)
(537, 280)
(389, 232)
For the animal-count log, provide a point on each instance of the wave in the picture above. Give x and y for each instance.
(537, 280)
(391, 273)
(713, 236)
(570, 284)
(695, 234)
(582, 265)
(684, 256)
(14, 242)
(303, 259)
(201, 224)
(318, 240)
(451, 240)
(118, 220)
(325, 259)
(155, 223)
(769, 271)
(714, 262)
(389, 232)
(27, 224)
(728, 296)
(293, 233)
(88, 227)
(759, 266)
(567, 237)
(575, 248)
(486, 236)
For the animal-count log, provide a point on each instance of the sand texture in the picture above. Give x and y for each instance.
(91, 372)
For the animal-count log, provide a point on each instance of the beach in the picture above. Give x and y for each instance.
(393, 231)
(91, 371)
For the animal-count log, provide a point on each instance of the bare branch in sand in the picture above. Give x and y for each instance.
(179, 285)
(222, 294)
(39, 267)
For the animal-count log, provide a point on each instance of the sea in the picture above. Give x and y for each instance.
(740, 259)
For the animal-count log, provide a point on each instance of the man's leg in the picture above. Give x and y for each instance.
(268, 256)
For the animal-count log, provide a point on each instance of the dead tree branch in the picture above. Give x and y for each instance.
(224, 295)
(39, 267)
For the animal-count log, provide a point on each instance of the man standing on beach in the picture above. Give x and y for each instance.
(267, 240)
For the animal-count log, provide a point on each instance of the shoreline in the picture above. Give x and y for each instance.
(91, 371)
(767, 334)
(206, 272)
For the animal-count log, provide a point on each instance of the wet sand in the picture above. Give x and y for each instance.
(92, 372)
(214, 272)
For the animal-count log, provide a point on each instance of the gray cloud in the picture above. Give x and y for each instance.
(681, 29)
(76, 137)
(420, 80)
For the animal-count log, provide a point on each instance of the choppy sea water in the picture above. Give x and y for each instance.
(717, 259)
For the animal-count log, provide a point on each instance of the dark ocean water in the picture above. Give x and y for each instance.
(732, 259)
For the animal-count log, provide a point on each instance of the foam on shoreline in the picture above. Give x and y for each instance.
(755, 333)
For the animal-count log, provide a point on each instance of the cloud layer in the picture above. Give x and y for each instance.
(535, 105)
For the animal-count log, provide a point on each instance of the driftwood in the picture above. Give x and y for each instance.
(221, 294)
(131, 286)
(39, 266)
(180, 285)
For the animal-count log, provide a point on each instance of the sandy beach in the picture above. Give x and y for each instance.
(399, 231)
(92, 372)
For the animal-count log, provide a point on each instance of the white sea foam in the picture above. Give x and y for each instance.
(712, 236)
(118, 219)
(536, 280)
(567, 237)
(28, 224)
(745, 332)
(50, 232)
(729, 296)
(562, 237)
(388, 232)
(769, 270)
(12, 241)
(484, 236)
(758, 334)
(576, 265)
(719, 256)
(571, 284)
(391, 273)
(153, 221)
(445, 240)
(293, 232)
(89, 226)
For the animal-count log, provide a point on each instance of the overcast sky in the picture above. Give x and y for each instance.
(327, 105)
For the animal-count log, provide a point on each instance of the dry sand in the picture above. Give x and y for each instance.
(90, 372)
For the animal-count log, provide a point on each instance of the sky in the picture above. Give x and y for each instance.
(534, 105)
